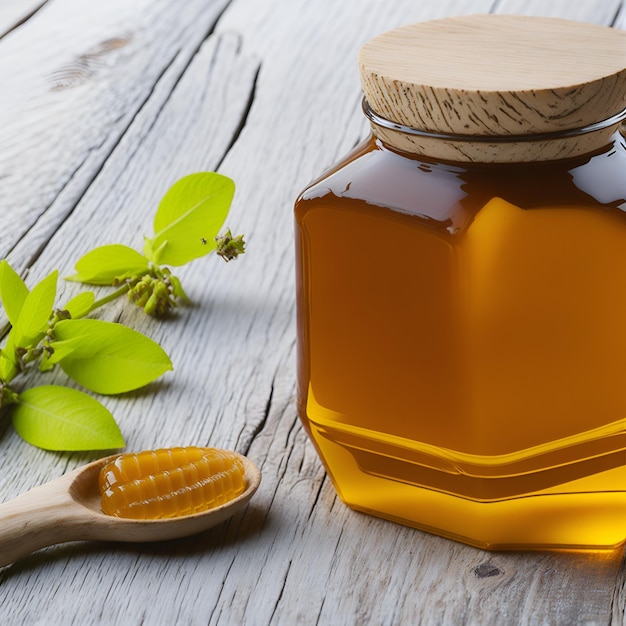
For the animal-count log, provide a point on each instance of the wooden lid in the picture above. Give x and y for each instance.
(496, 75)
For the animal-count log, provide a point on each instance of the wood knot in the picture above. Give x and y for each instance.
(85, 66)
(486, 570)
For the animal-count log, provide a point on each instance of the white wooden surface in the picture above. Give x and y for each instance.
(102, 107)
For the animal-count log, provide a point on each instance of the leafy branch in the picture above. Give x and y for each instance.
(105, 357)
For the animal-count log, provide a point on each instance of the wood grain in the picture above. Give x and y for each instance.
(504, 75)
(107, 109)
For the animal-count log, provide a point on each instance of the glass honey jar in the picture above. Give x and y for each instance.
(461, 286)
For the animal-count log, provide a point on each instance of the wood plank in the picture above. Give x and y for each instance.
(67, 100)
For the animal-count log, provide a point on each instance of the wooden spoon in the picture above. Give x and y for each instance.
(68, 509)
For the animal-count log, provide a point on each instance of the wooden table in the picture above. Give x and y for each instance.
(102, 107)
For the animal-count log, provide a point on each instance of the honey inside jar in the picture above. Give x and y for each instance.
(463, 342)
(170, 482)
(459, 303)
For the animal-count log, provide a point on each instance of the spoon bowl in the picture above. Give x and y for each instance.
(68, 509)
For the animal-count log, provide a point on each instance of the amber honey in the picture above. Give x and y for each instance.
(462, 349)
(170, 482)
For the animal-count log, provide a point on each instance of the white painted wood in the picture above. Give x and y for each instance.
(597, 12)
(270, 97)
(73, 80)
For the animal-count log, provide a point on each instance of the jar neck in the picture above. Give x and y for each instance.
(495, 148)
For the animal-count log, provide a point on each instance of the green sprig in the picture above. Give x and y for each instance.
(186, 226)
(105, 357)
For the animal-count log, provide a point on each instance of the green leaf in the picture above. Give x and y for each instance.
(32, 321)
(13, 291)
(8, 366)
(59, 418)
(109, 358)
(189, 217)
(103, 265)
(80, 305)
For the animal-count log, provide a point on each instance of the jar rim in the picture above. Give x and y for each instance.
(379, 120)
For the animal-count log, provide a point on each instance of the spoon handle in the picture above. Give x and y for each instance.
(41, 517)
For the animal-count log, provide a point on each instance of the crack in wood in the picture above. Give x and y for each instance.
(39, 250)
(262, 422)
(616, 15)
(282, 591)
(23, 19)
(194, 52)
(318, 496)
(243, 120)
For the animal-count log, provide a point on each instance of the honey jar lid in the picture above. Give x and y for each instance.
(495, 76)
